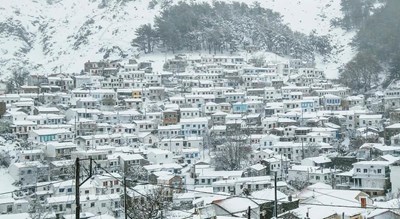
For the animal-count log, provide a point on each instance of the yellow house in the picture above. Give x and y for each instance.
(137, 94)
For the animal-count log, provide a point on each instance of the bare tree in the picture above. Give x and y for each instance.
(36, 209)
(258, 60)
(137, 173)
(299, 184)
(149, 205)
(233, 154)
(5, 126)
(17, 80)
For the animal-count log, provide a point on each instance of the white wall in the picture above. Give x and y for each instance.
(395, 179)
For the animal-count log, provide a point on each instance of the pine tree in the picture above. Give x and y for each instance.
(145, 39)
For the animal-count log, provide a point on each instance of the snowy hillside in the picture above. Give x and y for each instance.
(55, 35)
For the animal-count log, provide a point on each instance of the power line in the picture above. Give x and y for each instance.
(340, 198)
(259, 199)
(29, 187)
(221, 194)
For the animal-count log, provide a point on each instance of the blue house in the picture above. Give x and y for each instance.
(240, 107)
(307, 106)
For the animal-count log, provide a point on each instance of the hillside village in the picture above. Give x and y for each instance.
(206, 137)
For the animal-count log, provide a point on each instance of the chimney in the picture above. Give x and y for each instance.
(363, 202)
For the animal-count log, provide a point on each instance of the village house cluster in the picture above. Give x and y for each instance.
(215, 135)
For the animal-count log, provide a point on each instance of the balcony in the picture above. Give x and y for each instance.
(369, 176)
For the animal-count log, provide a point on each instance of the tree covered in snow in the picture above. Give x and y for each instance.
(150, 205)
(146, 38)
(378, 35)
(361, 73)
(355, 12)
(37, 210)
(137, 173)
(233, 153)
(5, 126)
(17, 79)
(222, 26)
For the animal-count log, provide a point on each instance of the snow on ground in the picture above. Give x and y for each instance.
(6, 183)
(308, 15)
(57, 25)
(159, 58)
(178, 214)
(60, 24)
(16, 216)
(303, 16)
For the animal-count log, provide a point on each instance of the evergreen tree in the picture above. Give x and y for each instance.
(394, 69)
(145, 39)
(361, 73)
(225, 26)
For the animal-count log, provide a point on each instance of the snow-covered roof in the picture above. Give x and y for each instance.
(258, 167)
(319, 160)
(393, 126)
(236, 204)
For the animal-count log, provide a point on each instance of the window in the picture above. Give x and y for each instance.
(358, 170)
(103, 205)
(379, 170)
(69, 190)
(365, 171)
(61, 190)
(92, 204)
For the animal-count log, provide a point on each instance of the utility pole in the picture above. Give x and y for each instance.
(276, 197)
(302, 148)
(77, 195)
(125, 198)
(248, 212)
(78, 183)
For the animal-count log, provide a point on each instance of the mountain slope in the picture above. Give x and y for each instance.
(46, 35)
(55, 35)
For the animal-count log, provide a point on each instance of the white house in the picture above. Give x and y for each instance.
(371, 121)
(12, 206)
(158, 156)
(394, 176)
(29, 173)
(194, 126)
(46, 135)
(191, 155)
(371, 177)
